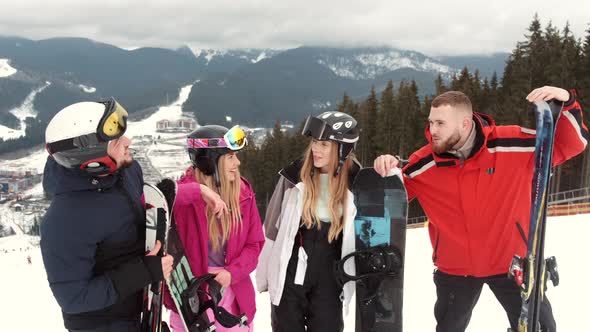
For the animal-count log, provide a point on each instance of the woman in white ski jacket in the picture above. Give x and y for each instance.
(309, 225)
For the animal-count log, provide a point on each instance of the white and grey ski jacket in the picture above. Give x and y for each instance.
(282, 221)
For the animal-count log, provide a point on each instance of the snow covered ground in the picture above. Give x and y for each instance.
(36, 160)
(169, 112)
(29, 304)
(87, 89)
(26, 109)
(5, 69)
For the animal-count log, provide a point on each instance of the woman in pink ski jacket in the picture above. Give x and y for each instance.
(218, 221)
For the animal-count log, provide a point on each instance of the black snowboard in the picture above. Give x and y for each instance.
(380, 234)
(182, 275)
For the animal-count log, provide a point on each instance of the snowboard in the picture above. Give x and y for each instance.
(192, 295)
(157, 220)
(380, 240)
(531, 271)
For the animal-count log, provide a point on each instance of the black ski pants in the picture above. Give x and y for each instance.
(458, 295)
(314, 306)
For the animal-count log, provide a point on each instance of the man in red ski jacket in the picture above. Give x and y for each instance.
(473, 180)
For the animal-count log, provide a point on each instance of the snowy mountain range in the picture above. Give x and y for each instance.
(304, 80)
(211, 56)
(364, 64)
(253, 86)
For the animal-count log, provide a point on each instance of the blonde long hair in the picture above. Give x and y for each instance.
(338, 186)
(230, 193)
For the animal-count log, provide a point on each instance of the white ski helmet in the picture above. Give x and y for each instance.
(77, 136)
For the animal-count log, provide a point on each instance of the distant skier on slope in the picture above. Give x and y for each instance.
(473, 180)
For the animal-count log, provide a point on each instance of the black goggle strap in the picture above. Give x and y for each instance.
(217, 180)
(73, 143)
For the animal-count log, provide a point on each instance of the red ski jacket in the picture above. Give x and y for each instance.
(478, 209)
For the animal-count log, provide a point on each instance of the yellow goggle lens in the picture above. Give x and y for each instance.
(116, 122)
(235, 138)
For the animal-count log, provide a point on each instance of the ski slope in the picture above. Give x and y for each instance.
(169, 112)
(30, 306)
(5, 68)
(36, 160)
(26, 109)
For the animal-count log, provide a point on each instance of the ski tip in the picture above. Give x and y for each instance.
(542, 105)
(168, 187)
(552, 106)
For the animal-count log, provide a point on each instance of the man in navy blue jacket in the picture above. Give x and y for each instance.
(93, 235)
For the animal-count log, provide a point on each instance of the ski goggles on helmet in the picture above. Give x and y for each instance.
(235, 139)
(315, 128)
(113, 123)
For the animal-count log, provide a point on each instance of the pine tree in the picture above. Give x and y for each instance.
(515, 87)
(570, 58)
(463, 82)
(342, 107)
(439, 85)
(583, 74)
(567, 59)
(418, 119)
(494, 82)
(368, 121)
(409, 106)
(486, 95)
(476, 92)
(534, 51)
(386, 123)
(348, 106)
(551, 58)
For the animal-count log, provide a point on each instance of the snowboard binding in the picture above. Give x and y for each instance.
(372, 262)
(205, 293)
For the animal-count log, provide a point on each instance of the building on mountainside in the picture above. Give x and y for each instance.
(176, 126)
(12, 182)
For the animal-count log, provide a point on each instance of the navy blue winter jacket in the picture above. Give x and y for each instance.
(92, 241)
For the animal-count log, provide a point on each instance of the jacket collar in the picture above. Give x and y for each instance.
(483, 123)
(58, 179)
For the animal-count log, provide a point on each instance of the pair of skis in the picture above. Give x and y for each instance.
(157, 215)
(531, 272)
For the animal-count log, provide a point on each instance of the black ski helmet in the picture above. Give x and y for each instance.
(334, 126)
(207, 143)
(77, 136)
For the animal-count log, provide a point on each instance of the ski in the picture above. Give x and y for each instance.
(530, 272)
(157, 215)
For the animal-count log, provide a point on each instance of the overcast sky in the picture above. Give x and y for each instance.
(432, 27)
